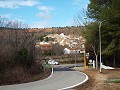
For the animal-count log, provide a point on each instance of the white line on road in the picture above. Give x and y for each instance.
(76, 84)
(50, 75)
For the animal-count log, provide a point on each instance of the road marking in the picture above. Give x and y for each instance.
(49, 76)
(76, 84)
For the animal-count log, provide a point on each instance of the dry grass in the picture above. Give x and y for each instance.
(98, 81)
(19, 75)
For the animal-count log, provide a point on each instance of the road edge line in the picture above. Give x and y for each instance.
(86, 79)
(49, 76)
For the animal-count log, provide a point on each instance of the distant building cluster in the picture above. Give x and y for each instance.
(72, 43)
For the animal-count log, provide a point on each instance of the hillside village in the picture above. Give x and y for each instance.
(71, 41)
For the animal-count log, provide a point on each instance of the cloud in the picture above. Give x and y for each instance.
(45, 8)
(17, 3)
(45, 12)
(41, 24)
(11, 17)
(44, 15)
(5, 15)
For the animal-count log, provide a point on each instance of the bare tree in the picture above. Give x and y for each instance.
(17, 44)
(91, 34)
(57, 49)
(81, 19)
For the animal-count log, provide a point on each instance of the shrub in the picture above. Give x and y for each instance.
(36, 69)
(23, 58)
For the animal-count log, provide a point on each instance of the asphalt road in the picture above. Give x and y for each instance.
(62, 77)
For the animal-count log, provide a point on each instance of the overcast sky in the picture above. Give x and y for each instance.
(42, 13)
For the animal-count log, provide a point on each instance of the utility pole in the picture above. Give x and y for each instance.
(100, 24)
(100, 43)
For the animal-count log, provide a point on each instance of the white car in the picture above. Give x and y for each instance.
(53, 62)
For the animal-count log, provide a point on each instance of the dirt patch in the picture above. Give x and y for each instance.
(98, 81)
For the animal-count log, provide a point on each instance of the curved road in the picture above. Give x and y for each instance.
(62, 77)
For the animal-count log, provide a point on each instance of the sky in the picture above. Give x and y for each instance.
(43, 13)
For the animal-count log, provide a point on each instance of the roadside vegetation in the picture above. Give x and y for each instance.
(103, 15)
(113, 81)
(17, 54)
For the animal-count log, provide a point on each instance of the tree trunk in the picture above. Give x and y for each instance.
(114, 61)
(96, 61)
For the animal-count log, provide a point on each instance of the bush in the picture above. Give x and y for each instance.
(2, 71)
(23, 58)
(36, 69)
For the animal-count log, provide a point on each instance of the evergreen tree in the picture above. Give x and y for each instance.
(108, 11)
